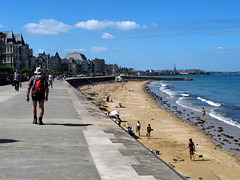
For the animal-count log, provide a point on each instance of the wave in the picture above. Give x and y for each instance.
(185, 95)
(165, 88)
(221, 117)
(188, 105)
(209, 102)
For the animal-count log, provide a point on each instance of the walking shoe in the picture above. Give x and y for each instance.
(40, 121)
(34, 120)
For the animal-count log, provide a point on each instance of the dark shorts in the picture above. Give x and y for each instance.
(38, 98)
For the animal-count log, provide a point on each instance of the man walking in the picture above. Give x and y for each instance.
(16, 79)
(39, 85)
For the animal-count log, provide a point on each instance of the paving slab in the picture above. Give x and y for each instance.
(78, 141)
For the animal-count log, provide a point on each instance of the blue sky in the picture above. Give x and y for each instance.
(142, 34)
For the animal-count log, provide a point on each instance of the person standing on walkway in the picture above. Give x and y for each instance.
(16, 79)
(191, 148)
(138, 127)
(50, 80)
(39, 86)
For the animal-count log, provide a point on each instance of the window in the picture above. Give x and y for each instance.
(8, 59)
(8, 49)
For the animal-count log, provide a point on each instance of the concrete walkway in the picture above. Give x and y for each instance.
(77, 141)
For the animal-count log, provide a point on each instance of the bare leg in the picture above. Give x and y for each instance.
(41, 109)
(34, 109)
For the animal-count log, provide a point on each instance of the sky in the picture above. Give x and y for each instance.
(139, 34)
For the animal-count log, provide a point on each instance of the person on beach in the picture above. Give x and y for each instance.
(138, 127)
(118, 120)
(39, 86)
(107, 99)
(130, 131)
(120, 106)
(149, 129)
(191, 148)
(203, 113)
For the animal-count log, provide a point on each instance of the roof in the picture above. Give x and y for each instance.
(19, 39)
(76, 56)
(14, 38)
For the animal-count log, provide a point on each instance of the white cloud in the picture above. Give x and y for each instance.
(76, 50)
(98, 49)
(39, 51)
(220, 48)
(127, 25)
(48, 26)
(142, 45)
(154, 24)
(107, 36)
(93, 24)
(100, 25)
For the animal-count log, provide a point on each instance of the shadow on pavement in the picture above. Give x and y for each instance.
(8, 141)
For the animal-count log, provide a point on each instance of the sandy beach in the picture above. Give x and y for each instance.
(170, 134)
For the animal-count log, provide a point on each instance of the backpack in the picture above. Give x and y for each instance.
(38, 85)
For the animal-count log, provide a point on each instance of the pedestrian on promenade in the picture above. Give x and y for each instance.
(191, 148)
(138, 127)
(39, 86)
(16, 80)
(203, 113)
(50, 80)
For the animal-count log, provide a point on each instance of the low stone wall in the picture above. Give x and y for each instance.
(82, 81)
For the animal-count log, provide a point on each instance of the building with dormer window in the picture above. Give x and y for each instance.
(14, 51)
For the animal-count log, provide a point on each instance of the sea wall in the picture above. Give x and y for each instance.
(81, 81)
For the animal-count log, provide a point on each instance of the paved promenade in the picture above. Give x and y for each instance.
(77, 141)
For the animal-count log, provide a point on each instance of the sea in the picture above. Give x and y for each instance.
(219, 95)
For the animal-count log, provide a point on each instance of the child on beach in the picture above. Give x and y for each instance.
(149, 129)
(191, 148)
(118, 120)
(203, 113)
(130, 131)
(138, 127)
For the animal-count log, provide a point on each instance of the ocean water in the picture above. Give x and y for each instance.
(218, 94)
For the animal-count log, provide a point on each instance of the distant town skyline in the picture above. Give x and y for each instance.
(136, 34)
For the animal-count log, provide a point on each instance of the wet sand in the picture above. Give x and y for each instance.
(170, 135)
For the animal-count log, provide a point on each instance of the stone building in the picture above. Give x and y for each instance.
(14, 51)
(54, 63)
(97, 65)
(77, 62)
